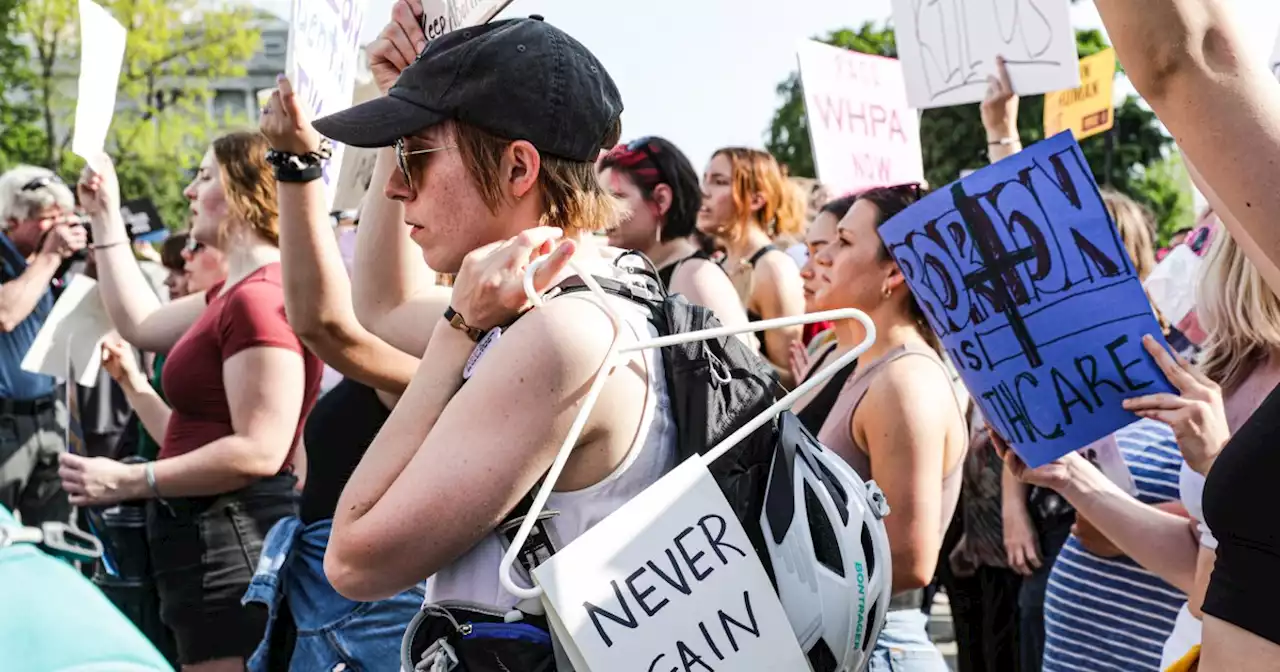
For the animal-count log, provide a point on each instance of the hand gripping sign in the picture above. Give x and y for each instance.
(669, 580)
(1022, 274)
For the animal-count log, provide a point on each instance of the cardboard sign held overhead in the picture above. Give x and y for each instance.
(1022, 274)
(322, 62)
(668, 581)
(862, 131)
(102, 42)
(949, 47)
(1087, 110)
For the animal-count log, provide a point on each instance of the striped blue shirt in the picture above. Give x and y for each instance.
(1109, 613)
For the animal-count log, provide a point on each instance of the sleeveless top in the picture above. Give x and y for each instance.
(837, 430)
(666, 273)
(753, 316)
(474, 576)
(815, 412)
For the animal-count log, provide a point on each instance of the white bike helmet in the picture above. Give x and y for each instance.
(825, 535)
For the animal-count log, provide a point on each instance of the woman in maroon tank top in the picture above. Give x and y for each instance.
(898, 419)
(240, 384)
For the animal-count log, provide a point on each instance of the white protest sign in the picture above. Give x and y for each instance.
(324, 43)
(74, 330)
(465, 13)
(102, 41)
(1275, 59)
(949, 47)
(1172, 283)
(668, 581)
(862, 131)
(1105, 455)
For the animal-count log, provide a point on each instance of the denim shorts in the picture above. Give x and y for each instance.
(203, 552)
(904, 645)
(328, 631)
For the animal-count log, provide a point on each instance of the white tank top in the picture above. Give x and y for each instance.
(474, 576)
(1191, 491)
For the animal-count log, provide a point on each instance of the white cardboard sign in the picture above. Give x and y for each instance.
(102, 42)
(668, 581)
(949, 47)
(1172, 284)
(323, 57)
(1275, 59)
(72, 335)
(863, 132)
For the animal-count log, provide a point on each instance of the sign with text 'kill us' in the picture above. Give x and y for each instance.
(1022, 274)
(949, 47)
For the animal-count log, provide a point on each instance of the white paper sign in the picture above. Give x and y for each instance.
(862, 131)
(669, 581)
(74, 331)
(1172, 283)
(949, 47)
(323, 57)
(473, 12)
(1275, 59)
(1105, 455)
(102, 41)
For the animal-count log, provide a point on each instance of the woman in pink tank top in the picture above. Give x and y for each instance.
(898, 419)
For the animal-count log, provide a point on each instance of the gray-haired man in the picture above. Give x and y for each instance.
(37, 234)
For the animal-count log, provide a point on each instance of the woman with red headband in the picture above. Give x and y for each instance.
(662, 195)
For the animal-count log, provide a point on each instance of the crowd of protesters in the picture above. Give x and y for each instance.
(294, 378)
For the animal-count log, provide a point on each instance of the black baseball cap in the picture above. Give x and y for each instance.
(519, 79)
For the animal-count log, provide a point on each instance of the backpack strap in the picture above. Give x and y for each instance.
(540, 545)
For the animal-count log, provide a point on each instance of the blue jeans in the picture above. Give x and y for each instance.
(332, 631)
(904, 645)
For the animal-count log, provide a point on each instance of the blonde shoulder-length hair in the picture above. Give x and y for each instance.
(1240, 314)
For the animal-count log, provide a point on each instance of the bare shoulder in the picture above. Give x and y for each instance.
(915, 386)
(570, 333)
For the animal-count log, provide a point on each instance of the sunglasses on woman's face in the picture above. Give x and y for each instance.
(193, 246)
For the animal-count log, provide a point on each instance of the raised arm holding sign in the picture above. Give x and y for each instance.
(1022, 274)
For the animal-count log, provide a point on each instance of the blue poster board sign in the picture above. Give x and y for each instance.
(1021, 272)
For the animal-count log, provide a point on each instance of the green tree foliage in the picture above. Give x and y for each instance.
(162, 123)
(953, 139)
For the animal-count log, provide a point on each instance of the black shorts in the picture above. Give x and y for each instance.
(203, 553)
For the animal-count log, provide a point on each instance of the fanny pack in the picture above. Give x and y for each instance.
(457, 636)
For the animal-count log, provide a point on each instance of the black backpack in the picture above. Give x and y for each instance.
(715, 386)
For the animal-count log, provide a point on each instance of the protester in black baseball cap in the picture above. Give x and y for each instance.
(496, 129)
(515, 95)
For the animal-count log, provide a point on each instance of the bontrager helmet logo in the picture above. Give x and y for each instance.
(862, 600)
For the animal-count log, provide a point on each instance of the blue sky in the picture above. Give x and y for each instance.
(703, 72)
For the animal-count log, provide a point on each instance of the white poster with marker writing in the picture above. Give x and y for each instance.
(949, 47)
(102, 43)
(323, 58)
(72, 335)
(863, 132)
(668, 581)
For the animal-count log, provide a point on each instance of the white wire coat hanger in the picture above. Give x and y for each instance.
(606, 368)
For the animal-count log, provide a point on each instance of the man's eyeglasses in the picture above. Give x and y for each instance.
(403, 154)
